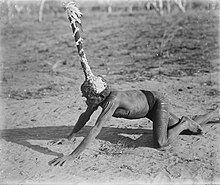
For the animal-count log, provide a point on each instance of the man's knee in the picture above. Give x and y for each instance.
(160, 142)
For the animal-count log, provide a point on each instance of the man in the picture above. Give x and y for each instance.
(132, 104)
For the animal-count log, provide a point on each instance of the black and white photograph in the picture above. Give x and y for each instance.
(109, 92)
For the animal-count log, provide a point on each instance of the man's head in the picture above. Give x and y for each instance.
(93, 98)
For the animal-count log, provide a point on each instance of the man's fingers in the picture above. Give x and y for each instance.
(62, 141)
(52, 162)
(58, 142)
(58, 161)
(53, 142)
(62, 164)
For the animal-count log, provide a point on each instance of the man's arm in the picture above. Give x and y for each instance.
(105, 115)
(83, 119)
(107, 112)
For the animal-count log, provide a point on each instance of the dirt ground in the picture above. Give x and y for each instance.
(177, 55)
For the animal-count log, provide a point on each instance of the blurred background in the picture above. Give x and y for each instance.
(125, 40)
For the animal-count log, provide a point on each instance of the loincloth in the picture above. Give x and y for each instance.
(150, 98)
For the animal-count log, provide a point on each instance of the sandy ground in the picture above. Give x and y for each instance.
(177, 55)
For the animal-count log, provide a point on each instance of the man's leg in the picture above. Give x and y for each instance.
(185, 123)
(210, 116)
(160, 118)
(193, 125)
(167, 126)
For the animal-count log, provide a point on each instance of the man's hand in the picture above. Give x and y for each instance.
(61, 161)
(61, 141)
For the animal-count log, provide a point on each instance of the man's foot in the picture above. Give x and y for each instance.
(192, 125)
(216, 112)
(61, 141)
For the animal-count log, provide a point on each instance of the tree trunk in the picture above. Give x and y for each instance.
(41, 10)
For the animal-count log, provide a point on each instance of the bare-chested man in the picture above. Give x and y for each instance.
(132, 104)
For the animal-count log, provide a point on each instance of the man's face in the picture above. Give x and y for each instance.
(91, 99)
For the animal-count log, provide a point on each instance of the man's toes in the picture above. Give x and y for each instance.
(183, 119)
(194, 127)
(200, 130)
(197, 129)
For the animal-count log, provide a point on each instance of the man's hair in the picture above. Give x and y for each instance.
(89, 93)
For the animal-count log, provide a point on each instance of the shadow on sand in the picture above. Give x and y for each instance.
(113, 135)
